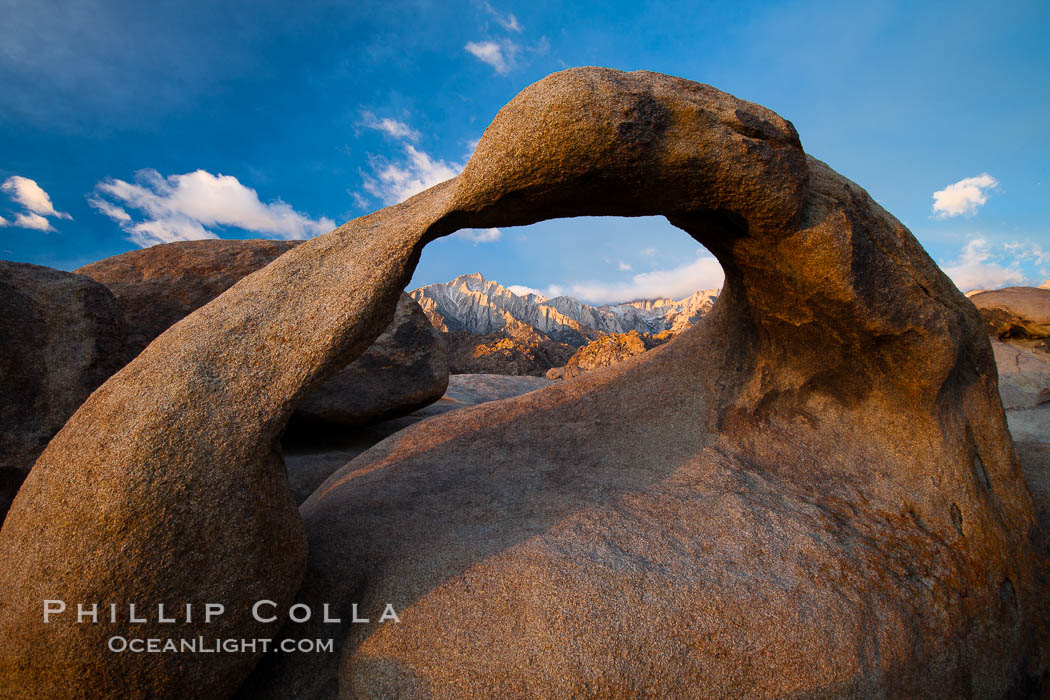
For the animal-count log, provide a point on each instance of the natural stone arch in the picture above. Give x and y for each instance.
(166, 485)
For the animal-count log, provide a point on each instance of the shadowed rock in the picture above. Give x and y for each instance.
(62, 336)
(741, 512)
(405, 369)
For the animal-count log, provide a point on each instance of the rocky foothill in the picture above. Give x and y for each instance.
(812, 491)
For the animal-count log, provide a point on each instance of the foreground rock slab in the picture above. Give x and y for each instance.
(313, 452)
(767, 516)
(62, 336)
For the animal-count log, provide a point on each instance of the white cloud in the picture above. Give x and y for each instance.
(964, 197)
(507, 21)
(623, 267)
(488, 235)
(33, 221)
(31, 196)
(974, 269)
(704, 273)
(395, 182)
(179, 207)
(650, 252)
(392, 127)
(523, 291)
(3, 221)
(500, 55)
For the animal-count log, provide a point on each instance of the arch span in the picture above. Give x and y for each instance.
(166, 486)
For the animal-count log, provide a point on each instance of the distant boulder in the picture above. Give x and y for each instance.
(1015, 312)
(1024, 375)
(62, 337)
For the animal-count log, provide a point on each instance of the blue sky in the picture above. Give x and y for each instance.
(127, 123)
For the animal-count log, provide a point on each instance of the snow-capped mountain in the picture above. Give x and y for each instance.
(476, 305)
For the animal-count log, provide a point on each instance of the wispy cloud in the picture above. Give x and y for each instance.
(508, 21)
(1027, 251)
(501, 55)
(964, 197)
(179, 207)
(979, 267)
(392, 127)
(394, 182)
(623, 267)
(111, 210)
(703, 273)
(477, 235)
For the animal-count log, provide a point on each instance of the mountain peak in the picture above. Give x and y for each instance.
(474, 304)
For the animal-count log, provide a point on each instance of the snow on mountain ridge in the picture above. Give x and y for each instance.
(477, 305)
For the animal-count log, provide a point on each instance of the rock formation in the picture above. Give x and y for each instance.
(517, 349)
(745, 512)
(603, 352)
(62, 336)
(1015, 312)
(406, 368)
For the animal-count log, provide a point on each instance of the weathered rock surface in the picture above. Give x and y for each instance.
(1015, 312)
(603, 352)
(767, 516)
(407, 366)
(62, 336)
(312, 453)
(405, 369)
(158, 286)
(1024, 386)
(1024, 374)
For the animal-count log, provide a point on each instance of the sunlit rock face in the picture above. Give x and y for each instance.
(810, 493)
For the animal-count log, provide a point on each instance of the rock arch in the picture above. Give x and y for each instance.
(850, 462)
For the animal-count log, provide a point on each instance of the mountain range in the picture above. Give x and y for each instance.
(474, 304)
